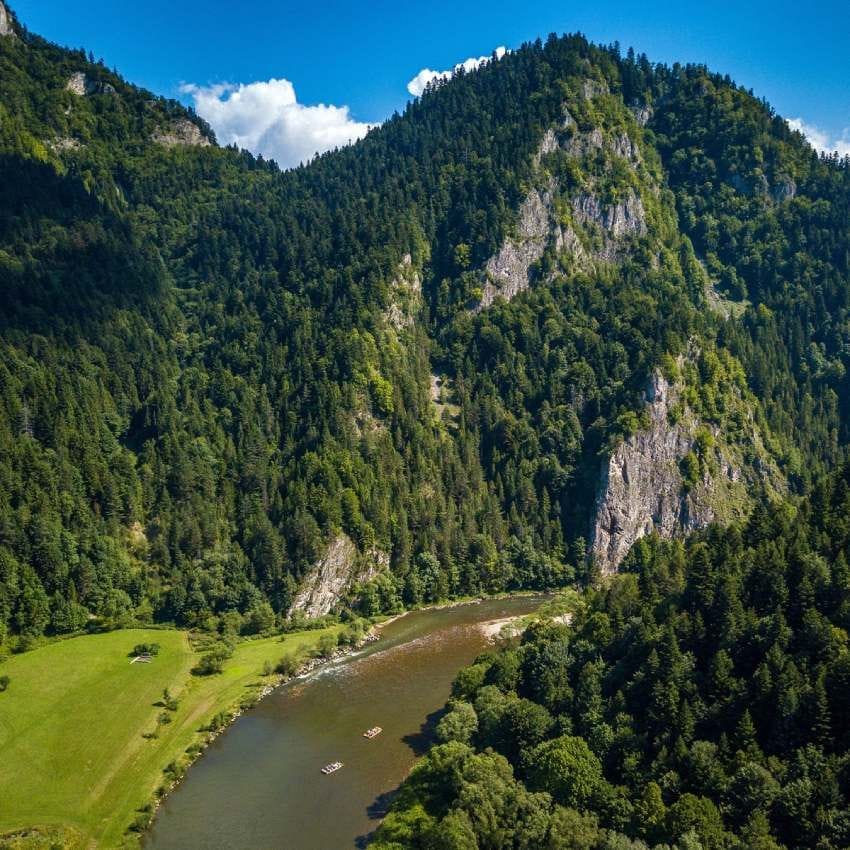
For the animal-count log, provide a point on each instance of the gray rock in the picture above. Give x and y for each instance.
(80, 85)
(641, 485)
(507, 271)
(623, 146)
(643, 115)
(181, 132)
(783, 189)
(616, 222)
(6, 25)
(581, 144)
(64, 143)
(506, 274)
(333, 574)
(593, 88)
(406, 296)
(549, 144)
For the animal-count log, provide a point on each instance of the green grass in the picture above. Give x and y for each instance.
(74, 758)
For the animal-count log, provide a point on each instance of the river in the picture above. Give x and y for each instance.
(259, 786)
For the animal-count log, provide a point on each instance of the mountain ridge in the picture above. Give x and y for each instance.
(219, 368)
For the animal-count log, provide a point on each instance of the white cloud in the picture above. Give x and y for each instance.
(820, 139)
(417, 85)
(266, 118)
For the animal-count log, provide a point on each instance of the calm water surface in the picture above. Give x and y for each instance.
(259, 786)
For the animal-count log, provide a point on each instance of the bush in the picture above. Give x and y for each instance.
(168, 701)
(144, 649)
(4, 683)
(213, 661)
(289, 664)
(218, 721)
(327, 646)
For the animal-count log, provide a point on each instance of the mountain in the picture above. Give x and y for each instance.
(559, 303)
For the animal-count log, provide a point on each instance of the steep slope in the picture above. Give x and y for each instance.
(213, 372)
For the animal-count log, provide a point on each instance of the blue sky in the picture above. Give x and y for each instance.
(361, 55)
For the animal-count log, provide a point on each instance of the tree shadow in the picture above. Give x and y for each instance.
(86, 260)
(419, 742)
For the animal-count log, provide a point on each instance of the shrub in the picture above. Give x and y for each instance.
(289, 664)
(144, 649)
(213, 661)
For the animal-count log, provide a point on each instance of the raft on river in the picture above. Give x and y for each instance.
(333, 767)
(373, 732)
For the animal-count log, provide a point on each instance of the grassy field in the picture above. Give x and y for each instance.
(72, 725)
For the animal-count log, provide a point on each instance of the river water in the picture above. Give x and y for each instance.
(260, 787)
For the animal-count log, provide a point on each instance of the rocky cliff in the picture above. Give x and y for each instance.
(339, 569)
(406, 295)
(80, 85)
(584, 224)
(642, 486)
(507, 273)
(181, 132)
(6, 24)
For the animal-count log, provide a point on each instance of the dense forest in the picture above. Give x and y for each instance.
(210, 368)
(698, 700)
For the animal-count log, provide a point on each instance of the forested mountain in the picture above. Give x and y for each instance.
(699, 700)
(558, 302)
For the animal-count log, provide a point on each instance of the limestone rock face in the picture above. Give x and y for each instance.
(64, 143)
(641, 487)
(507, 271)
(593, 88)
(617, 221)
(181, 132)
(6, 27)
(80, 85)
(609, 227)
(406, 295)
(643, 115)
(783, 188)
(333, 574)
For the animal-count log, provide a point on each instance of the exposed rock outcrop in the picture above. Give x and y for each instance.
(616, 222)
(339, 569)
(507, 271)
(6, 25)
(642, 489)
(643, 115)
(593, 88)
(783, 188)
(64, 143)
(406, 295)
(181, 132)
(80, 85)
(641, 485)
(608, 228)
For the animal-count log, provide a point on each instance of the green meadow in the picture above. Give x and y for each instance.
(78, 759)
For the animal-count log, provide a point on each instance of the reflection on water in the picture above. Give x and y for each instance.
(260, 785)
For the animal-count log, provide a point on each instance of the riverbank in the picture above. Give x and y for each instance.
(79, 719)
(85, 755)
(261, 786)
